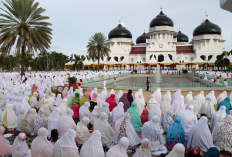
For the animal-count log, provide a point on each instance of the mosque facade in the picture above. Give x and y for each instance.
(163, 43)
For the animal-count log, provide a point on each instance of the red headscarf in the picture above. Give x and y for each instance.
(144, 116)
(112, 102)
(75, 111)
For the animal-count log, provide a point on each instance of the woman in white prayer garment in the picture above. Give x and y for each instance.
(118, 96)
(165, 105)
(124, 128)
(212, 97)
(94, 115)
(174, 95)
(20, 120)
(200, 135)
(66, 122)
(167, 95)
(222, 134)
(177, 151)
(207, 108)
(140, 103)
(221, 97)
(117, 112)
(94, 91)
(66, 145)
(155, 111)
(63, 107)
(111, 92)
(93, 146)
(218, 117)
(82, 132)
(201, 97)
(84, 111)
(53, 120)
(197, 106)
(188, 98)
(40, 146)
(119, 150)
(151, 131)
(188, 119)
(104, 94)
(107, 132)
(58, 100)
(99, 101)
(178, 104)
(140, 91)
(151, 103)
(158, 95)
(20, 147)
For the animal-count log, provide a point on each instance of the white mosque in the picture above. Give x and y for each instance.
(162, 45)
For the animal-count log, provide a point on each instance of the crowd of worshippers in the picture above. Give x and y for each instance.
(91, 124)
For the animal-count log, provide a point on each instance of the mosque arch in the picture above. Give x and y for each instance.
(151, 56)
(170, 56)
(209, 57)
(116, 58)
(121, 58)
(160, 58)
(203, 57)
(108, 58)
(155, 56)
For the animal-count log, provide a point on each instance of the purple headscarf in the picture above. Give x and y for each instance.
(124, 100)
(129, 96)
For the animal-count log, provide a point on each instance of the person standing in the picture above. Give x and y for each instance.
(148, 83)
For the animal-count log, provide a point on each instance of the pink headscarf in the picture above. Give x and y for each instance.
(64, 93)
(5, 149)
(88, 93)
(94, 97)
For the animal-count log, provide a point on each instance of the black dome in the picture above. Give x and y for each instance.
(181, 37)
(142, 39)
(207, 27)
(120, 32)
(161, 20)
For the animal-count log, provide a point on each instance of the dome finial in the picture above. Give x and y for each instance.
(206, 14)
(161, 8)
(144, 30)
(179, 29)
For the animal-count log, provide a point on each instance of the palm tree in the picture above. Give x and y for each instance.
(23, 25)
(98, 47)
(222, 60)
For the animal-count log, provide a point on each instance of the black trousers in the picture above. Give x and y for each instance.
(148, 88)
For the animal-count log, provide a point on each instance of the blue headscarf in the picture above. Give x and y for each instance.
(212, 152)
(176, 133)
(135, 117)
(225, 103)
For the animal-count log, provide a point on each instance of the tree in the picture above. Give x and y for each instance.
(98, 47)
(222, 60)
(24, 26)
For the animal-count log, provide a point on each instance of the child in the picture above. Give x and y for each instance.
(114, 84)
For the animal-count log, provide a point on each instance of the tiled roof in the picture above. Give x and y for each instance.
(138, 50)
(184, 49)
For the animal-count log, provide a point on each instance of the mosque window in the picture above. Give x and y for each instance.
(203, 57)
(121, 58)
(116, 59)
(209, 57)
(155, 56)
(160, 58)
(151, 56)
(109, 58)
(170, 56)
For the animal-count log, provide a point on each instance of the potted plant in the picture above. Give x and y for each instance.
(72, 82)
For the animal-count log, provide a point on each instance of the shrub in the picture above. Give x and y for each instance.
(72, 80)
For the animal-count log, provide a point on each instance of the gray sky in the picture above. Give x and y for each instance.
(75, 21)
